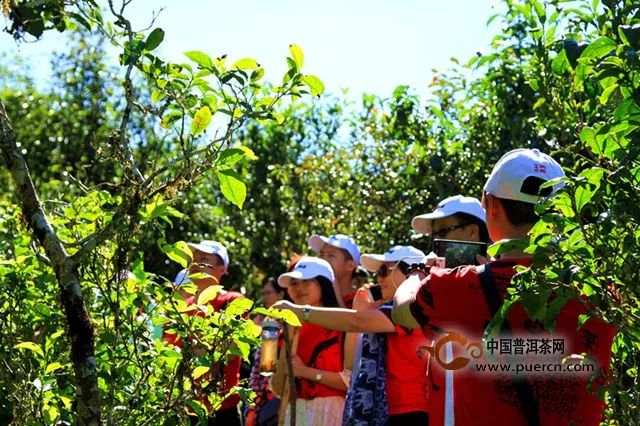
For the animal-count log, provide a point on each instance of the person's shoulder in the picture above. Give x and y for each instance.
(507, 268)
(445, 275)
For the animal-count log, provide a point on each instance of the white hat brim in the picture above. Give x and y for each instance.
(371, 262)
(316, 242)
(285, 279)
(422, 224)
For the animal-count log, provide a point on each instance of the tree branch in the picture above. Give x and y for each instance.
(80, 329)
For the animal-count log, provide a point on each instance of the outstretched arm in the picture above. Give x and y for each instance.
(341, 319)
(402, 300)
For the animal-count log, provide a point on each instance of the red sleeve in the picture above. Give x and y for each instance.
(449, 295)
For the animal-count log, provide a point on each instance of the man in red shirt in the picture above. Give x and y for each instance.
(460, 302)
(212, 258)
(343, 255)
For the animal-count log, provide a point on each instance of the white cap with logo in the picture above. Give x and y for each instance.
(212, 247)
(510, 174)
(316, 242)
(407, 254)
(448, 207)
(307, 268)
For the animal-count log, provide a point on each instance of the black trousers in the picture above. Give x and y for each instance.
(415, 418)
(226, 417)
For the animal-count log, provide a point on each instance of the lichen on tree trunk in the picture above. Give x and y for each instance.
(80, 330)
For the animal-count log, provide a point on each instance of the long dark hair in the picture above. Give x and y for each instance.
(329, 299)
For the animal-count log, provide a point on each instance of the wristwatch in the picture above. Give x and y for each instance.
(306, 313)
(318, 376)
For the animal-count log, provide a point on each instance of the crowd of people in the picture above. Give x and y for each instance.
(368, 354)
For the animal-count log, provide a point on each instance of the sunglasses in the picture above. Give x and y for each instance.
(384, 270)
(441, 233)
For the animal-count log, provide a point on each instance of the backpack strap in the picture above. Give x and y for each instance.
(494, 302)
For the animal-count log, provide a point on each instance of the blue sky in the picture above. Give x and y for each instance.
(366, 46)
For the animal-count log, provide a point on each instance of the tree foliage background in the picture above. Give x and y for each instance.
(562, 76)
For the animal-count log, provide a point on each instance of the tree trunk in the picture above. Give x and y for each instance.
(80, 329)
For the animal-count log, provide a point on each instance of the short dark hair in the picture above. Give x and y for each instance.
(329, 299)
(518, 212)
(471, 219)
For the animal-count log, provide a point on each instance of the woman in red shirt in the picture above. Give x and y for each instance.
(318, 357)
(407, 381)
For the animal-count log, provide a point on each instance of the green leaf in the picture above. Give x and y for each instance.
(211, 100)
(504, 246)
(246, 64)
(262, 311)
(248, 152)
(536, 304)
(599, 48)
(606, 94)
(200, 58)
(232, 186)
(208, 294)
(179, 252)
(560, 63)
(239, 306)
(584, 318)
(583, 196)
(257, 74)
(154, 39)
(233, 155)
(540, 11)
(286, 316)
(298, 56)
(170, 118)
(30, 346)
(158, 208)
(156, 96)
(52, 367)
(278, 117)
(200, 370)
(201, 120)
(314, 83)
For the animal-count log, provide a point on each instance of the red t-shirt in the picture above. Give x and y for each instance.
(348, 300)
(407, 369)
(453, 300)
(319, 348)
(232, 367)
(408, 383)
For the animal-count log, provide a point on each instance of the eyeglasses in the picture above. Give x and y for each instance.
(204, 265)
(441, 233)
(384, 270)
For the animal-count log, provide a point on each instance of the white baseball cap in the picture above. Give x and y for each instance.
(308, 267)
(407, 254)
(448, 207)
(212, 247)
(509, 178)
(316, 242)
